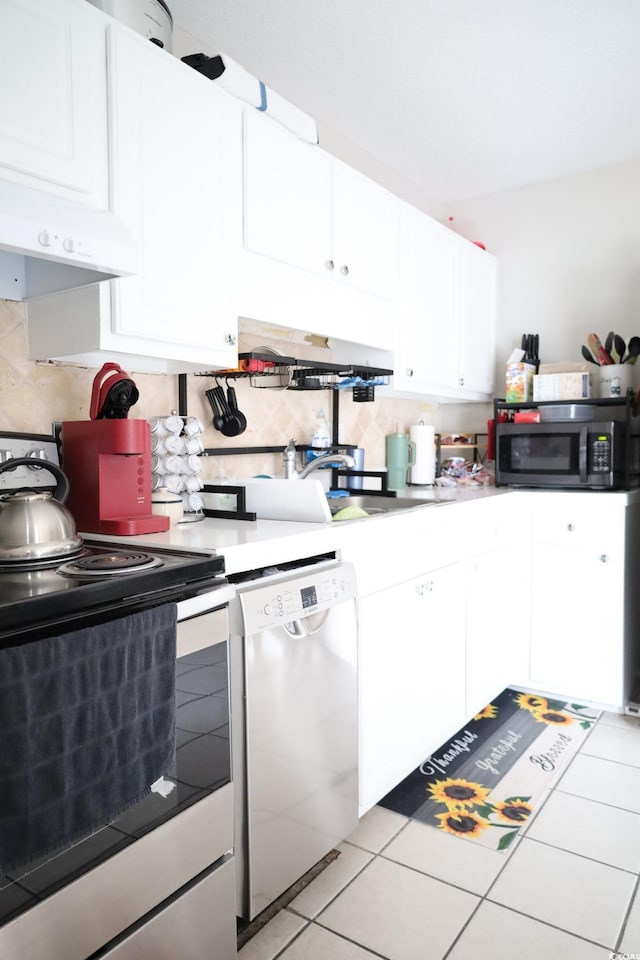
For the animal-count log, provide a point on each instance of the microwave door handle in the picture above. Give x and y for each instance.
(582, 453)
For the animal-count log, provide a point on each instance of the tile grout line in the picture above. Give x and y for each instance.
(545, 923)
(621, 763)
(583, 856)
(612, 806)
(635, 893)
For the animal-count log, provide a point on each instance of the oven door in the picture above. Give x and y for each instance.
(77, 902)
(542, 454)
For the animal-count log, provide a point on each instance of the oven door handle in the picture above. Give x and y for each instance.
(582, 453)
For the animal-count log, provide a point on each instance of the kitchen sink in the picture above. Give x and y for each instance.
(379, 504)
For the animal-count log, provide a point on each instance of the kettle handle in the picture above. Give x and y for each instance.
(62, 481)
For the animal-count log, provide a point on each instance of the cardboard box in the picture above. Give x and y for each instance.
(519, 382)
(562, 386)
(566, 366)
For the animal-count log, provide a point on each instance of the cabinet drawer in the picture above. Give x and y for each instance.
(596, 529)
(188, 927)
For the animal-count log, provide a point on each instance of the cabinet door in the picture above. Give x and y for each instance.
(428, 336)
(176, 159)
(411, 677)
(53, 111)
(476, 271)
(287, 196)
(365, 233)
(497, 624)
(577, 606)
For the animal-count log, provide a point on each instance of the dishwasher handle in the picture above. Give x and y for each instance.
(306, 626)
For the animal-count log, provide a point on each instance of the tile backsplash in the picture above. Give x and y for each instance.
(33, 394)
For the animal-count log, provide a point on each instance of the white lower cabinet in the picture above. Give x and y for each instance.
(584, 584)
(536, 590)
(411, 669)
(497, 624)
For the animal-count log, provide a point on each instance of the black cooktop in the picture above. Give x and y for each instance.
(38, 602)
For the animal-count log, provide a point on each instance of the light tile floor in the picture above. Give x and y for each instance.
(403, 891)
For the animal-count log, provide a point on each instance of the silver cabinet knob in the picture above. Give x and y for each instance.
(409, 371)
(461, 382)
(570, 527)
(604, 558)
(329, 264)
(344, 270)
(231, 339)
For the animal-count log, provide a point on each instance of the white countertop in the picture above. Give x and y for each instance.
(247, 544)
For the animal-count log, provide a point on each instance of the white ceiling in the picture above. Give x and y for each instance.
(461, 97)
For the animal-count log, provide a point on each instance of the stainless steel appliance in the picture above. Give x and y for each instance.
(594, 455)
(294, 719)
(159, 879)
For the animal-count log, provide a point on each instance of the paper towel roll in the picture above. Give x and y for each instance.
(424, 470)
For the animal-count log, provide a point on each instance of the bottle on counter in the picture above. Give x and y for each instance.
(320, 436)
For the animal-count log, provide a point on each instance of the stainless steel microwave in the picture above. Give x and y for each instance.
(594, 455)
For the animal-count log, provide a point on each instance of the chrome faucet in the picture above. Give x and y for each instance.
(289, 462)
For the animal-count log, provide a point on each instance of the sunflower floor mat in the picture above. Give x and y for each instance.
(488, 780)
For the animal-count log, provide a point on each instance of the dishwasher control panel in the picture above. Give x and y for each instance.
(282, 598)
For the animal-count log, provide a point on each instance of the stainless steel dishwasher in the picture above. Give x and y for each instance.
(294, 716)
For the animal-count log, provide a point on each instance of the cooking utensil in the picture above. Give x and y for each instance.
(633, 350)
(231, 423)
(608, 343)
(588, 356)
(598, 351)
(619, 346)
(35, 526)
(218, 420)
(233, 407)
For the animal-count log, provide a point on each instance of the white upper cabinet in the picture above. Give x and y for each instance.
(320, 240)
(53, 108)
(445, 338)
(287, 196)
(175, 151)
(364, 248)
(426, 360)
(477, 311)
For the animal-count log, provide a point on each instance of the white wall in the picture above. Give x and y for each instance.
(568, 258)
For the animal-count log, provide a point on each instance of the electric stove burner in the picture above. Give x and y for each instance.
(45, 563)
(111, 564)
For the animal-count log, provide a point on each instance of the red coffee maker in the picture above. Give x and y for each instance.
(108, 461)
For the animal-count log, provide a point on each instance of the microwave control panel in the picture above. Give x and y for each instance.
(601, 453)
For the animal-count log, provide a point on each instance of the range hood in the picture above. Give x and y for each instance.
(49, 244)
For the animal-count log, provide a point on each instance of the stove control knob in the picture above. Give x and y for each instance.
(6, 455)
(36, 455)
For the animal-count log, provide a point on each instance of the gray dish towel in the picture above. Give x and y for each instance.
(87, 724)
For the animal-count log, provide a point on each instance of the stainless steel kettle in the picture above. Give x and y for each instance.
(35, 526)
